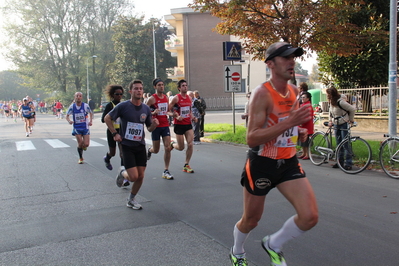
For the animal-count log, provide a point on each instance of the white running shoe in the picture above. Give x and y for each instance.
(167, 175)
(133, 204)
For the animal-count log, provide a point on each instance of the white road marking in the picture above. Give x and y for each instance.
(56, 143)
(25, 145)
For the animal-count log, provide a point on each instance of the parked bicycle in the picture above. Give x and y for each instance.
(389, 156)
(351, 147)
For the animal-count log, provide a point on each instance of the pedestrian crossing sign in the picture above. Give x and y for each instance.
(232, 51)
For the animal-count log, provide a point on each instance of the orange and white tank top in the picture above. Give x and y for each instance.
(283, 146)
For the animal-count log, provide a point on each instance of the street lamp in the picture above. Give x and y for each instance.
(155, 52)
(87, 71)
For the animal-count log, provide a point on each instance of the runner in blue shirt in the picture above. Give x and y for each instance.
(82, 119)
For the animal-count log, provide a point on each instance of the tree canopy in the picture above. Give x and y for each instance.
(369, 66)
(321, 25)
(133, 42)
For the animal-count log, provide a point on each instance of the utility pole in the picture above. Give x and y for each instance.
(393, 67)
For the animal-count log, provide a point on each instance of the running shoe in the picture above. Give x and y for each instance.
(107, 163)
(171, 144)
(120, 179)
(166, 174)
(188, 169)
(149, 153)
(27, 134)
(238, 260)
(126, 183)
(85, 148)
(133, 204)
(276, 259)
(80, 161)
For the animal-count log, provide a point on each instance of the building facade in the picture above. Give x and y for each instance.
(199, 51)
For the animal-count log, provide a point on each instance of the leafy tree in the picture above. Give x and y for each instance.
(315, 74)
(133, 42)
(369, 67)
(298, 69)
(51, 40)
(11, 87)
(321, 25)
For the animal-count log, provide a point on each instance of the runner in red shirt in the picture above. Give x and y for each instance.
(159, 106)
(181, 108)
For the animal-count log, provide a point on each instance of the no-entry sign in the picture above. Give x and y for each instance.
(232, 78)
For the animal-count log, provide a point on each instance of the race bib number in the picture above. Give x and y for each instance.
(80, 118)
(289, 138)
(25, 112)
(185, 111)
(163, 108)
(134, 131)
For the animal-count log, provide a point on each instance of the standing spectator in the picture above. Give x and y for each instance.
(115, 94)
(202, 113)
(82, 119)
(271, 162)
(341, 113)
(303, 87)
(159, 106)
(306, 101)
(181, 107)
(245, 115)
(133, 115)
(92, 105)
(196, 109)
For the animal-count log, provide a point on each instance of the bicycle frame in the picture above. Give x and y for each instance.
(329, 152)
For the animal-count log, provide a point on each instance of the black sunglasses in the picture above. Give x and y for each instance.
(118, 94)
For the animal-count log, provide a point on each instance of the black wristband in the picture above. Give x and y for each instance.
(113, 134)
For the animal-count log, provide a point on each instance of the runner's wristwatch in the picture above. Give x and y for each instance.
(113, 134)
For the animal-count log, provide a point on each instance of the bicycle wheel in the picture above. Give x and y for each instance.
(389, 157)
(356, 150)
(319, 144)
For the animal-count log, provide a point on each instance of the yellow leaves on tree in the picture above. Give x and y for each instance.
(316, 25)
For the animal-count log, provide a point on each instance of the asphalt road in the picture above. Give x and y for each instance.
(56, 212)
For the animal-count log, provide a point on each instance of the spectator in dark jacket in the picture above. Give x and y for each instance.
(202, 113)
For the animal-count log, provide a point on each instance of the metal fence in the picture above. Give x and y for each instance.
(226, 103)
(367, 101)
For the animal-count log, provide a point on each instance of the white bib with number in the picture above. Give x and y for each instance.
(80, 118)
(134, 131)
(289, 138)
(185, 111)
(163, 108)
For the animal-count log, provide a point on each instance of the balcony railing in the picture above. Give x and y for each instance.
(175, 73)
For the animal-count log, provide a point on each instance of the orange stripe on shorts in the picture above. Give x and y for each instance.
(249, 176)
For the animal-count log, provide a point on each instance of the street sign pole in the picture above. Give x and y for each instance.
(232, 83)
(233, 107)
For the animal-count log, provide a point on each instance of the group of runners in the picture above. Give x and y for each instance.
(274, 115)
(9, 110)
(20, 109)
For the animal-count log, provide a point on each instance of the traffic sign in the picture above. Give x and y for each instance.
(232, 78)
(232, 51)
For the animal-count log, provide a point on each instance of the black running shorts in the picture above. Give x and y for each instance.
(261, 174)
(134, 156)
(181, 129)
